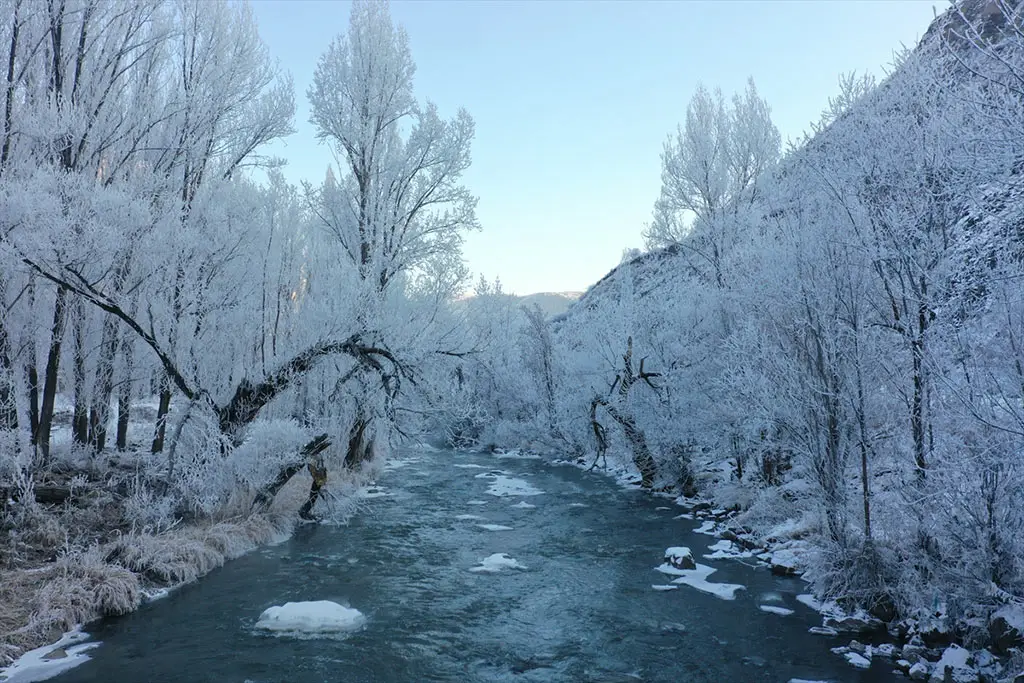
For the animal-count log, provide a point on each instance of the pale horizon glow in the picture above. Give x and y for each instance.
(573, 101)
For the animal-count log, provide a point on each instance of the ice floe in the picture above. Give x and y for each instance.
(523, 505)
(492, 564)
(314, 618)
(698, 578)
(664, 587)
(510, 486)
(50, 660)
(775, 609)
(495, 527)
(708, 527)
(727, 550)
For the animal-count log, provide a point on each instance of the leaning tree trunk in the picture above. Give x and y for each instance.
(642, 457)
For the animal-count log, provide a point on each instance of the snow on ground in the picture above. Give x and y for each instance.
(50, 660)
(664, 587)
(510, 486)
(492, 564)
(495, 527)
(468, 517)
(775, 609)
(698, 578)
(318, 617)
(523, 505)
(727, 550)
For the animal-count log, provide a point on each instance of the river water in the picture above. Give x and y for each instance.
(583, 609)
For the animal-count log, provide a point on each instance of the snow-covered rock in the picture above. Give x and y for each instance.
(318, 617)
(918, 672)
(955, 661)
(1006, 628)
(492, 564)
(785, 563)
(857, 660)
(680, 557)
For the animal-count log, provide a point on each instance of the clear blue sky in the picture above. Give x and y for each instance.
(573, 100)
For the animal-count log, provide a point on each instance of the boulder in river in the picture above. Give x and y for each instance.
(918, 672)
(680, 557)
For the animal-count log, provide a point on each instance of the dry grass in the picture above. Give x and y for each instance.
(37, 605)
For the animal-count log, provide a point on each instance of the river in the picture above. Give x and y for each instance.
(582, 609)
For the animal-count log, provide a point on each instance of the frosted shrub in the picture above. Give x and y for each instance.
(268, 446)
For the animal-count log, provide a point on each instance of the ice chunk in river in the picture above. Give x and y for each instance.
(775, 609)
(510, 486)
(698, 578)
(492, 564)
(523, 505)
(494, 527)
(317, 617)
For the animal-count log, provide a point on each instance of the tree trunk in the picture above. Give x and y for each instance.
(161, 415)
(52, 368)
(103, 386)
(8, 402)
(308, 456)
(124, 394)
(80, 420)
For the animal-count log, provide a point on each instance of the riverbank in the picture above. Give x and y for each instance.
(926, 648)
(60, 585)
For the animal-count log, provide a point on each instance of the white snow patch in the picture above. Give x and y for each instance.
(523, 505)
(727, 550)
(857, 660)
(34, 666)
(708, 527)
(810, 601)
(318, 617)
(492, 564)
(495, 527)
(664, 587)
(956, 658)
(517, 455)
(468, 517)
(698, 578)
(775, 609)
(510, 486)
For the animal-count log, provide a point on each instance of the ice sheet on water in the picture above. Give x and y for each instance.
(50, 660)
(698, 578)
(664, 587)
(708, 527)
(510, 486)
(523, 505)
(310, 619)
(494, 527)
(775, 609)
(492, 564)
(727, 550)
(810, 601)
